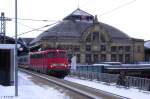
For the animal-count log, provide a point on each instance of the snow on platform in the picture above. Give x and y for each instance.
(29, 90)
(130, 93)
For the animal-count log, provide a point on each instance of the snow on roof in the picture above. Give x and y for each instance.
(147, 44)
(81, 12)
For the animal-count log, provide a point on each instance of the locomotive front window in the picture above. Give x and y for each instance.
(56, 54)
(61, 54)
(52, 54)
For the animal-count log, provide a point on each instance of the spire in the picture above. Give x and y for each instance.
(95, 19)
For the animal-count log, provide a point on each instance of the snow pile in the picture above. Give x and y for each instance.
(129, 93)
(28, 90)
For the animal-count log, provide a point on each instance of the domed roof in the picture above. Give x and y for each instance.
(74, 25)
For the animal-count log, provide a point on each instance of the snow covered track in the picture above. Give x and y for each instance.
(86, 91)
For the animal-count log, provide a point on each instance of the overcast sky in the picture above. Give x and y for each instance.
(129, 16)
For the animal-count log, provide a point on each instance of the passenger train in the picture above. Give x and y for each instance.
(52, 62)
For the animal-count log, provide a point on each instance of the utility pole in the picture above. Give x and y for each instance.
(3, 26)
(16, 57)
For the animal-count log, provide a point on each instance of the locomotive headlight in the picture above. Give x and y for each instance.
(65, 65)
(58, 64)
(54, 65)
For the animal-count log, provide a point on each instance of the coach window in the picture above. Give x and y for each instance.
(35, 56)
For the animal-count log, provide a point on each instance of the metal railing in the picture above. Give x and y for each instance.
(127, 81)
(140, 83)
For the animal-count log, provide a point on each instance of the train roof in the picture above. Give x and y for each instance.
(46, 51)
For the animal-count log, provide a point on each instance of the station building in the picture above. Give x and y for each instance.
(147, 50)
(81, 34)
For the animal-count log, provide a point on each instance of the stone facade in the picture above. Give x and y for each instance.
(91, 41)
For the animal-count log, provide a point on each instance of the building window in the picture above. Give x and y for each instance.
(102, 38)
(88, 58)
(69, 57)
(88, 47)
(95, 58)
(127, 58)
(77, 49)
(138, 49)
(95, 36)
(113, 48)
(103, 47)
(120, 48)
(127, 48)
(78, 58)
(88, 39)
(103, 57)
(113, 57)
(120, 57)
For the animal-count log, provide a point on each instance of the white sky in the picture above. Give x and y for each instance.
(133, 19)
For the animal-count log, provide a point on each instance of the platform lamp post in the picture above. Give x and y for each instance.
(16, 60)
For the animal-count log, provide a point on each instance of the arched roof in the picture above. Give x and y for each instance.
(73, 28)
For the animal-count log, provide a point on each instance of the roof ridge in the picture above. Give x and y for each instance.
(78, 11)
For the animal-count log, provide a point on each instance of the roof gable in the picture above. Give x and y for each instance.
(79, 14)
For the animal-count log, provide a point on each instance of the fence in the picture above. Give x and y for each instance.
(127, 81)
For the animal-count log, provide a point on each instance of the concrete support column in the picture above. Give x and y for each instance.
(82, 59)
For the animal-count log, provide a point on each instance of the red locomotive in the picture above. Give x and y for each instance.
(52, 62)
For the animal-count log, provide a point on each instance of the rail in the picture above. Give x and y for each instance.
(81, 89)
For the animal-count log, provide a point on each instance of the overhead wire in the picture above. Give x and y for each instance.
(56, 21)
(37, 28)
(116, 8)
(28, 26)
(44, 20)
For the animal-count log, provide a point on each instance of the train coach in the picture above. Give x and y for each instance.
(52, 62)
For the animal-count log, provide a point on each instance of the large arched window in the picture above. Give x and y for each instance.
(95, 36)
(88, 39)
(102, 38)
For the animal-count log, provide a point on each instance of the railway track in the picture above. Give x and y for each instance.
(90, 93)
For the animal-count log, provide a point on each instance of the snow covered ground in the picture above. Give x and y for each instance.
(29, 90)
(129, 93)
